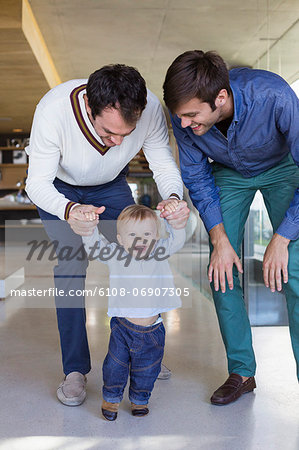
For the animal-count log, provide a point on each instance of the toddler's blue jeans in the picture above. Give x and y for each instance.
(136, 351)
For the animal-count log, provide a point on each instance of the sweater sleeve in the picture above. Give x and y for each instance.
(159, 156)
(44, 156)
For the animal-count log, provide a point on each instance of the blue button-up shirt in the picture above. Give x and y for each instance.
(264, 129)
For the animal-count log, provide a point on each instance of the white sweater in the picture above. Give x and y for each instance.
(138, 288)
(64, 144)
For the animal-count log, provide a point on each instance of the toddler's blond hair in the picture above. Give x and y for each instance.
(137, 213)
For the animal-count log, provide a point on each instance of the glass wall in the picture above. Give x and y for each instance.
(282, 55)
(264, 307)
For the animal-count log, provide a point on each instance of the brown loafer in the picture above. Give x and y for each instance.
(109, 410)
(232, 389)
(139, 410)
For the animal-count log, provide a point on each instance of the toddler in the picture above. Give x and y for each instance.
(142, 285)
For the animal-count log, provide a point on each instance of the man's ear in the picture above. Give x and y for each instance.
(221, 98)
(120, 241)
(88, 109)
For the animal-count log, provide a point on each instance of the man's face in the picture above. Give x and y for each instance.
(198, 115)
(137, 236)
(110, 125)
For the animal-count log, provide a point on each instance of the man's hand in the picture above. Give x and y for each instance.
(177, 218)
(275, 261)
(223, 258)
(79, 221)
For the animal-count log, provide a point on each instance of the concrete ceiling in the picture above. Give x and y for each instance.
(83, 35)
(22, 82)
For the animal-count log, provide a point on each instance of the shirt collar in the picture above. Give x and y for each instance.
(81, 117)
(237, 98)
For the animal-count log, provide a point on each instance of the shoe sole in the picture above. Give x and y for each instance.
(164, 377)
(140, 413)
(74, 401)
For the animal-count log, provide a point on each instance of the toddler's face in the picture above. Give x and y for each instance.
(137, 236)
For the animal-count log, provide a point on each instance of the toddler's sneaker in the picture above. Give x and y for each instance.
(139, 410)
(109, 410)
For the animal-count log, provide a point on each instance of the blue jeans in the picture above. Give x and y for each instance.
(71, 274)
(134, 350)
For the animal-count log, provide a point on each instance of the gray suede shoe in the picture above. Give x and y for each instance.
(72, 391)
(165, 373)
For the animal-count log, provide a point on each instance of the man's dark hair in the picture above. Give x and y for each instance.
(117, 86)
(195, 74)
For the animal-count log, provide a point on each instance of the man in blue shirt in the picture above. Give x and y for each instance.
(247, 122)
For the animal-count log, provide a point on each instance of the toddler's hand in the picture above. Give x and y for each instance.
(91, 215)
(171, 205)
(82, 224)
(177, 218)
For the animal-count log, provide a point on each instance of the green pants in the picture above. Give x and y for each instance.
(277, 186)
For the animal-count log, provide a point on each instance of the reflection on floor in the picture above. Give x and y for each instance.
(181, 416)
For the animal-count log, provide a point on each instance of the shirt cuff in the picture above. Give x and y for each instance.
(68, 208)
(288, 229)
(211, 218)
(173, 195)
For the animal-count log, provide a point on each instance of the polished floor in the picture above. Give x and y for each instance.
(181, 416)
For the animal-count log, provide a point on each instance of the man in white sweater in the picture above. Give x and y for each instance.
(84, 134)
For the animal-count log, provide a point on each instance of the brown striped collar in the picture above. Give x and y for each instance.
(81, 122)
